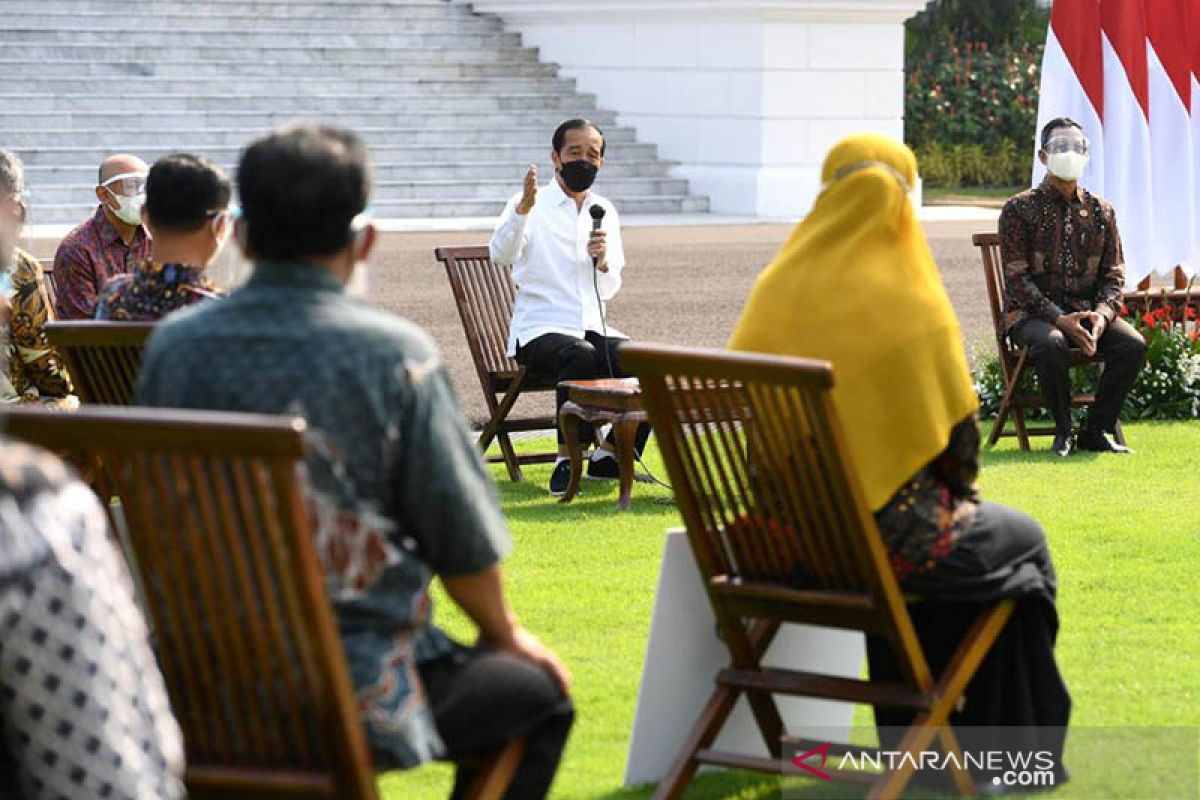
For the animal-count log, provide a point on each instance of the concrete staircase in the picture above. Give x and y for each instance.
(452, 106)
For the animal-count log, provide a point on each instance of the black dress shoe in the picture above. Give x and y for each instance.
(1064, 445)
(560, 479)
(1098, 442)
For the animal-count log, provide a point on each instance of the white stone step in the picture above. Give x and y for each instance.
(291, 54)
(53, 108)
(136, 88)
(85, 69)
(434, 168)
(390, 36)
(445, 130)
(406, 188)
(221, 23)
(72, 213)
(60, 145)
(450, 104)
(476, 208)
(313, 9)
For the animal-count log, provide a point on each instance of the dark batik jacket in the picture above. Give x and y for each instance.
(926, 516)
(1060, 255)
(152, 291)
(398, 490)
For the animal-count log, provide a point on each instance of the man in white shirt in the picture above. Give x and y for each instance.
(565, 272)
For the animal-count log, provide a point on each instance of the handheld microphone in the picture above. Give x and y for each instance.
(597, 212)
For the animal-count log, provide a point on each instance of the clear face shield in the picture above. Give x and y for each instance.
(129, 190)
(1067, 154)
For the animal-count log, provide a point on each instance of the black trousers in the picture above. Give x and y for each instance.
(482, 699)
(1017, 699)
(1121, 347)
(567, 358)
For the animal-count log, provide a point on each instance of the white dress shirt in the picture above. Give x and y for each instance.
(547, 250)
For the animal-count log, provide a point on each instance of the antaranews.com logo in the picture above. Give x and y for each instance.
(1003, 760)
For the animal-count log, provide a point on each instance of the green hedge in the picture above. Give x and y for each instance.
(971, 113)
(974, 70)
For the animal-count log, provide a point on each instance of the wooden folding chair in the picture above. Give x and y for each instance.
(1015, 360)
(49, 286)
(244, 632)
(484, 294)
(781, 534)
(103, 358)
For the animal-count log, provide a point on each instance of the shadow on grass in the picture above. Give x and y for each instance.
(738, 785)
(528, 501)
(993, 457)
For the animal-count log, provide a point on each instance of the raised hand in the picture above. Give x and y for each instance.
(529, 191)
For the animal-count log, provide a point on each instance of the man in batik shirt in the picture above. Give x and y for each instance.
(1065, 273)
(187, 216)
(110, 243)
(30, 370)
(399, 492)
(83, 708)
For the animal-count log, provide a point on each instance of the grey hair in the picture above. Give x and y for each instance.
(12, 172)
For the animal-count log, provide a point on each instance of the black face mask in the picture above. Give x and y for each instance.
(578, 175)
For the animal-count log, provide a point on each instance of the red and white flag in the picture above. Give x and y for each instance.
(1171, 146)
(1075, 58)
(1194, 45)
(1129, 72)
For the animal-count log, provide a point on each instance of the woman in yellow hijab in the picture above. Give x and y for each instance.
(856, 284)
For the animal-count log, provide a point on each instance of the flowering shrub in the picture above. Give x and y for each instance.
(1168, 387)
(973, 94)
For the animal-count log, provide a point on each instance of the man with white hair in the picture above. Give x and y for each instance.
(112, 242)
(30, 371)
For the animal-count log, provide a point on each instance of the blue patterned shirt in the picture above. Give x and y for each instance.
(398, 490)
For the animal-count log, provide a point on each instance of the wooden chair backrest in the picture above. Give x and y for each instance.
(757, 458)
(484, 294)
(993, 277)
(49, 285)
(242, 625)
(103, 358)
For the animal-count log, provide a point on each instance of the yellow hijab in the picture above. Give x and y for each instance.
(856, 284)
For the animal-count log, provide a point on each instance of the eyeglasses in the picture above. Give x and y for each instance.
(1061, 144)
(126, 184)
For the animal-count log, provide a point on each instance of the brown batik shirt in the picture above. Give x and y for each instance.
(1060, 255)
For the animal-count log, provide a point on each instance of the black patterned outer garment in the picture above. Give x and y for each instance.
(82, 703)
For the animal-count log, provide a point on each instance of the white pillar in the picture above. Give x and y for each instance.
(747, 95)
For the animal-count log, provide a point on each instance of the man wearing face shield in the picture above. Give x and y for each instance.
(186, 211)
(112, 242)
(566, 270)
(1065, 276)
(30, 370)
(396, 488)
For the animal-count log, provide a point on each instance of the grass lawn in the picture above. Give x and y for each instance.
(1124, 531)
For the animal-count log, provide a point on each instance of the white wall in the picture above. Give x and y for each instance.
(746, 94)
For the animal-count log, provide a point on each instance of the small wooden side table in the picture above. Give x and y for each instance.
(612, 400)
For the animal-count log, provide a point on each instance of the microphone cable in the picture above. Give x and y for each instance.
(597, 212)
